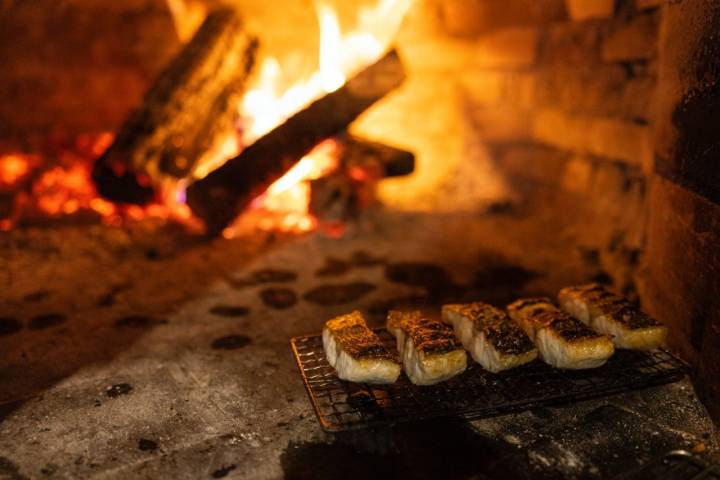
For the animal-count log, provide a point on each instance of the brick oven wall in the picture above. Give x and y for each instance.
(77, 66)
(556, 97)
(597, 109)
(681, 268)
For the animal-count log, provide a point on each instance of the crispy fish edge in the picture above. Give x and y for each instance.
(553, 330)
(579, 302)
(369, 362)
(476, 341)
(437, 358)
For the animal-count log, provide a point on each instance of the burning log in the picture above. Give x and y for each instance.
(364, 159)
(342, 194)
(183, 116)
(218, 198)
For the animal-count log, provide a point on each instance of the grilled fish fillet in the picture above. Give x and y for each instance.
(356, 352)
(608, 313)
(492, 338)
(427, 347)
(563, 341)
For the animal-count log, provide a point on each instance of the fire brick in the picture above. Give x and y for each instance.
(508, 48)
(581, 10)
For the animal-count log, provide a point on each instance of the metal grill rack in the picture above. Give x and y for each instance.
(676, 465)
(476, 393)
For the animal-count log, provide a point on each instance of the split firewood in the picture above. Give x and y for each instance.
(364, 159)
(188, 111)
(218, 198)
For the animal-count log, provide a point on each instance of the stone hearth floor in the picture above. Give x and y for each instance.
(148, 354)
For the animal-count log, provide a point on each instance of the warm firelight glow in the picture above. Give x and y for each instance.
(65, 191)
(187, 17)
(287, 201)
(13, 168)
(62, 186)
(267, 104)
(59, 183)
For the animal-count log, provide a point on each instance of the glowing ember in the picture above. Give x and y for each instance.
(67, 189)
(62, 191)
(14, 168)
(286, 204)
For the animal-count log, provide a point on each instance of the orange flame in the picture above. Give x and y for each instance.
(67, 188)
(266, 105)
(14, 168)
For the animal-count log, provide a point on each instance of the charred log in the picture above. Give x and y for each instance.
(337, 197)
(189, 109)
(364, 159)
(341, 196)
(218, 198)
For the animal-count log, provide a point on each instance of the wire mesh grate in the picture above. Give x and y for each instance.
(675, 465)
(341, 405)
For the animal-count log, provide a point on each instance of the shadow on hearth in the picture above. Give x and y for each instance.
(584, 441)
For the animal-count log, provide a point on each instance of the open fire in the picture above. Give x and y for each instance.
(58, 182)
(36, 188)
(518, 147)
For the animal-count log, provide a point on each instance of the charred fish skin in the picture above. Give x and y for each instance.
(493, 339)
(429, 351)
(356, 352)
(608, 313)
(521, 311)
(562, 341)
